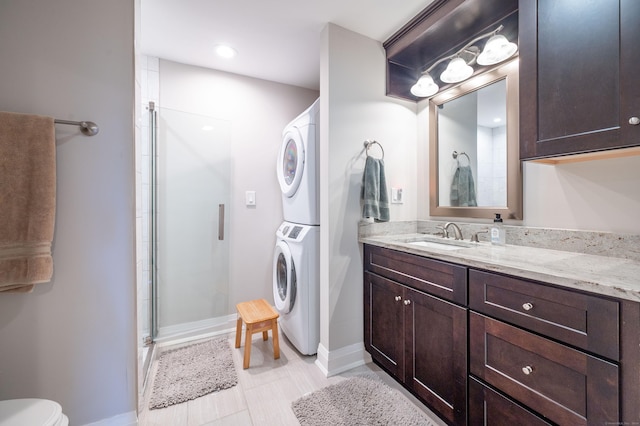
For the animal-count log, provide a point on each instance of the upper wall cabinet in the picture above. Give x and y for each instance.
(579, 85)
(441, 30)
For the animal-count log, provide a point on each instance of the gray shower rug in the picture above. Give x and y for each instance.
(359, 400)
(192, 371)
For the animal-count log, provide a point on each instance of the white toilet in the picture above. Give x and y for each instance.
(31, 412)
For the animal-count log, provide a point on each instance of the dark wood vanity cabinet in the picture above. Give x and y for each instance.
(417, 337)
(579, 65)
(517, 351)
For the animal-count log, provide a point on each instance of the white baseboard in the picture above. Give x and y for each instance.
(185, 332)
(125, 419)
(340, 360)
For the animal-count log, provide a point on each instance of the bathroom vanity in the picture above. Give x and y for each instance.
(505, 335)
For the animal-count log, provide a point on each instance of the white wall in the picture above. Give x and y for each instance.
(601, 195)
(492, 166)
(73, 340)
(258, 111)
(353, 108)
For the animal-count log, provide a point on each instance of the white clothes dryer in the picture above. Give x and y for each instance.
(297, 168)
(296, 284)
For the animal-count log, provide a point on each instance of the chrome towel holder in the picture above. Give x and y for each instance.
(88, 128)
(369, 143)
(456, 154)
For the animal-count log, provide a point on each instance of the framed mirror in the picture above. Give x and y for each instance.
(474, 164)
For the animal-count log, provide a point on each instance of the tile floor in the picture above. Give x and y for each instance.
(264, 392)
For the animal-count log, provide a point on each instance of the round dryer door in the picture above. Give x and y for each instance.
(291, 162)
(284, 278)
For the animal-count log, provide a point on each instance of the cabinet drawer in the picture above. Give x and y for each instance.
(488, 407)
(587, 322)
(563, 384)
(441, 279)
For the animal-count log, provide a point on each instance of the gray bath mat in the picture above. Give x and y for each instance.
(192, 371)
(360, 400)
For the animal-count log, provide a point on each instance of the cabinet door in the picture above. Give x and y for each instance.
(383, 323)
(436, 353)
(578, 76)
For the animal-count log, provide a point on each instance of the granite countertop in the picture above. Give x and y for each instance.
(610, 276)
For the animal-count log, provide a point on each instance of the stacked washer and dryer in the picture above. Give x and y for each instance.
(296, 281)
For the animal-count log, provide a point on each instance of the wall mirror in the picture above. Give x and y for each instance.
(474, 165)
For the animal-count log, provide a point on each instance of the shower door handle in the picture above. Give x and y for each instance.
(221, 222)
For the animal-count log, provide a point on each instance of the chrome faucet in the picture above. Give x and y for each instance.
(456, 231)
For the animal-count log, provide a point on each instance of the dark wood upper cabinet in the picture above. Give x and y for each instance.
(441, 29)
(579, 64)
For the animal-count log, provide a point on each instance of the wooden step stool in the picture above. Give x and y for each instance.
(258, 316)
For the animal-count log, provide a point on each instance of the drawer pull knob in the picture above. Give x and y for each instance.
(634, 121)
(527, 370)
(398, 298)
(407, 302)
(527, 306)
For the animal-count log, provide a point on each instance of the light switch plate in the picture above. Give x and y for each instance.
(396, 195)
(250, 198)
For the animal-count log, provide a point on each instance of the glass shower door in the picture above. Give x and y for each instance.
(194, 168)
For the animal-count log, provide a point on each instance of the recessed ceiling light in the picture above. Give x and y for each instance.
(225, 51)
(207, 128)
(497, 120)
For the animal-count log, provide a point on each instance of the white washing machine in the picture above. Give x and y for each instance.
(296, 284)
(297, 168)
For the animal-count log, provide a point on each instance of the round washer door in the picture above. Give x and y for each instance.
(284, 278)
(291, 162)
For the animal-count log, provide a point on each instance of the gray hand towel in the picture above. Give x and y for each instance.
(374, 197)
(463, 189)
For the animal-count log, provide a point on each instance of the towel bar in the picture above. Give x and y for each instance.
(88, 128)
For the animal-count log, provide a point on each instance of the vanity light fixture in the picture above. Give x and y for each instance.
(496, 50)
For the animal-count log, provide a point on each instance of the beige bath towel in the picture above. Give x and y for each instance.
(27, 200)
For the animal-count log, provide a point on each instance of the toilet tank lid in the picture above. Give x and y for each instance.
(29, 411)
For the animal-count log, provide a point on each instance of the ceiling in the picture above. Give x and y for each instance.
(276, 40)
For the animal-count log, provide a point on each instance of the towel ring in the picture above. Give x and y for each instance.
(456, 154)
(369, 143)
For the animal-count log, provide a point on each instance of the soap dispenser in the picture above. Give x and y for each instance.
(497, 231)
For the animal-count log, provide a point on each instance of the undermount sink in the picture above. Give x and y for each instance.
(441, 245)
